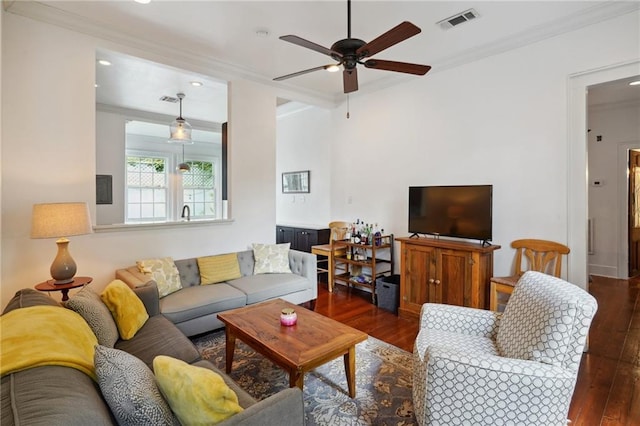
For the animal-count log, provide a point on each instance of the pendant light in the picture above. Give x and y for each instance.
(184, 166)
(180, 129)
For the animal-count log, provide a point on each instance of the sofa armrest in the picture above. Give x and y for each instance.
(132, 276)
(306, 265)
(286, 408)
(150, 297)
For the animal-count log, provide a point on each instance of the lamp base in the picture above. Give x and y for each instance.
(63, 268)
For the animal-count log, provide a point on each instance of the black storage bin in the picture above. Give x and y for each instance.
(388, 293)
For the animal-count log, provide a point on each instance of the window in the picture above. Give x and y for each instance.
(146, 188)
(198, 189)
(155, 191)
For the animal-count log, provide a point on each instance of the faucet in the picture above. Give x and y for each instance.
(188, 210)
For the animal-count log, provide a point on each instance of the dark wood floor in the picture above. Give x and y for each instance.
(608, 387)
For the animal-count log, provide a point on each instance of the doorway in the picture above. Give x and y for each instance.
(634, 213)
(613, 132)
(577, 185)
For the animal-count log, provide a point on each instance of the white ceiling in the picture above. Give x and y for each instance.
(224, 33)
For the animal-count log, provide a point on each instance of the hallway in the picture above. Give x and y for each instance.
(608, 387)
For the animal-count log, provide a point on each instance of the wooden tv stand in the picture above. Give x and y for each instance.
(443, 271)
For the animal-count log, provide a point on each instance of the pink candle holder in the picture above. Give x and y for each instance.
(288, 317)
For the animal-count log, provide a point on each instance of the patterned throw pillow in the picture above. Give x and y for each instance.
(271, 258)
(90, 306)
(130, 389)
(197, 395)
(215, 269)
(127, 309)
(164, 272)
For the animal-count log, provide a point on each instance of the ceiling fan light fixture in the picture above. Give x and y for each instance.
(350, 52)
(180, 129)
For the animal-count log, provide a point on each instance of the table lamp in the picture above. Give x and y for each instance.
(61, 220)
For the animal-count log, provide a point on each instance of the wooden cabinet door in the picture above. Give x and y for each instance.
(304, 239)
(418, 270)
(453, 282)
(284, 234)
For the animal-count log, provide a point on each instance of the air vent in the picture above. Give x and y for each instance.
(171, 99)
(458, 19)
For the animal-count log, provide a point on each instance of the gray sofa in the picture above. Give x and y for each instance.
(58, 395)
(194, 308)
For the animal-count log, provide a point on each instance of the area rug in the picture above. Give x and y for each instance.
(383, 382)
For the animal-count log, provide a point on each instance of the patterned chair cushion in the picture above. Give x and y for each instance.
(539, 321)
(453, 387)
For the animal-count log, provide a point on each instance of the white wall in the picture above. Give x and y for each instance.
(619, 126)
(110, 148)
(502, 120)
(303, 144)
(48, 155)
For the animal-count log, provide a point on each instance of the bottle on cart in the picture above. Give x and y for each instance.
(377, 235)
(358, 235)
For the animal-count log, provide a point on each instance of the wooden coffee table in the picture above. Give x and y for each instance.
(313, 341)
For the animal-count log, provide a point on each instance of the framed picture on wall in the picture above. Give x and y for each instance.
(295, 182)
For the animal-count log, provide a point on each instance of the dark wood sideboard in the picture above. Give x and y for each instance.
(302, 238)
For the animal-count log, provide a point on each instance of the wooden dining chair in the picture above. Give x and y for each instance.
(326, 252)
(531, 255)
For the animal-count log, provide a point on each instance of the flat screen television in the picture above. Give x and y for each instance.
(455, 211)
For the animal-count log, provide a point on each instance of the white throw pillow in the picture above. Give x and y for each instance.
(271, 258)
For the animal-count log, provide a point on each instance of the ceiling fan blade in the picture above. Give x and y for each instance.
(350, 80)
(309, 45)
(397, 66)
(395, 35)
(295, 74)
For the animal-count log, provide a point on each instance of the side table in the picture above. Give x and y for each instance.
(64, 288)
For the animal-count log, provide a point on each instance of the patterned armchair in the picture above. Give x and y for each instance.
(477, 367)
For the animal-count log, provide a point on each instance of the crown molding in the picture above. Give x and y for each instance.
(154, 117)
(601, 11)
(207, 65)
(593, 15)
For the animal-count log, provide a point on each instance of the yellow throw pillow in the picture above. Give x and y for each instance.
(215, 269)
(164, 272)
(196, 395)
(127, 309)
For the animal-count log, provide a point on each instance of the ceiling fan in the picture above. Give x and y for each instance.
(350, 52)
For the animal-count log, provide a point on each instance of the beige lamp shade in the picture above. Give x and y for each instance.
(61, 220)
